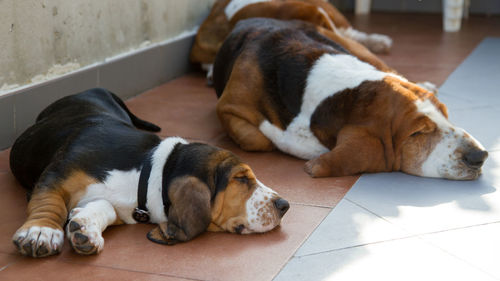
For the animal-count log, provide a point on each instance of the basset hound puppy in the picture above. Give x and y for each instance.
(330, 22)
(282, 84)
(84, 162)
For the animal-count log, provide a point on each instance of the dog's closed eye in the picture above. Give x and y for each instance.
(242, 179)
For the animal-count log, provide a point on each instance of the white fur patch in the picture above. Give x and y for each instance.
(160, 155)
(209, 68)
(443, 161)
(235, 5)
(120, 187)
(261, 212)
(377, 43)
(94, 217)
(329, 75)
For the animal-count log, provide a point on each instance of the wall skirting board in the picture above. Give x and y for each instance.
(126, 75)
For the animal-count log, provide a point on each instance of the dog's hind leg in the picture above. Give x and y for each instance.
(239, 109)
(86, 224)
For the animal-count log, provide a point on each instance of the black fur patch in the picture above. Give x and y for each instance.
(286, 51)
(194, 159)
(90, 131)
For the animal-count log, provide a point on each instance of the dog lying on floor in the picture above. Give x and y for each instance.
(282, 84)
(331, 23)
(84, 161)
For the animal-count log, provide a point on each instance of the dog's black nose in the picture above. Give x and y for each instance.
(474, 159)
(282, 206)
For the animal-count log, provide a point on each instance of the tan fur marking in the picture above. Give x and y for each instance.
(49, 205)
(216, 26)
(229, 208)
(284, 11)
(242, 107)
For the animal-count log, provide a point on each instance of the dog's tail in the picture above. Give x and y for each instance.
(139, 123)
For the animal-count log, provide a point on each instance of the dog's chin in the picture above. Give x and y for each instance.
(465, 175)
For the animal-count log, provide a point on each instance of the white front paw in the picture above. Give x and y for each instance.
(84, 236)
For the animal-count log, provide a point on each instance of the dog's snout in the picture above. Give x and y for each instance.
(282, 205)
(474, 159)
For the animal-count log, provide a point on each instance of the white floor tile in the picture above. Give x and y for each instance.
(422, 205)
(405, 259)
(476, 79)
(349, 225)
(482, 123)
(478, 246)
(453, 102)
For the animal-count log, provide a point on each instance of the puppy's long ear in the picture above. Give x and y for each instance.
(189, 214)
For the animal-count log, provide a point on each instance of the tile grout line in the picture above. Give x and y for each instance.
(419, 235)
(312, 205)
(307, 238)
(129, 270)
(425, 233)
(396, 239)
(8, 265)
(292, 256)
(375, 214)
(430, 243)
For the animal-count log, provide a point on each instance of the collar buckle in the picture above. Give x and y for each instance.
(140, 215)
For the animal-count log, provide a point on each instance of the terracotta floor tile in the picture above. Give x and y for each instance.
(436, 74)
(212, 256)
(7, 260)
(56, 269)
(12, 210)
(183, 107)
(13, 199)
(285, 174)
(4, 160)
(421, 50)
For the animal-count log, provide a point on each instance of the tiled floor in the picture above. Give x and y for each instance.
(390, 226)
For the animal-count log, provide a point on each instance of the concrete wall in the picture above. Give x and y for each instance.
(40, 37)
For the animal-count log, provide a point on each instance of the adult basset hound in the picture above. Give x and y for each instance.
(84, 161)
(282, 84)
(330, 22)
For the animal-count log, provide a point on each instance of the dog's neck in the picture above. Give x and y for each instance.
(159, 157)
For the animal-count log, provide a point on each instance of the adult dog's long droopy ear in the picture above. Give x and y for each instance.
(189, 214)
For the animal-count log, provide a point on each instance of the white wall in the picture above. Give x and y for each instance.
(35, 35)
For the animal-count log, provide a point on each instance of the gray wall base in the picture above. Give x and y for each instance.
(126, 76)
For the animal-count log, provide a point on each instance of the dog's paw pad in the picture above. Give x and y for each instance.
(38, 241)
(85, 240)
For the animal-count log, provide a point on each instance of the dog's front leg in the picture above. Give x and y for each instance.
(42, 234)
(357, 151)
(86, 224)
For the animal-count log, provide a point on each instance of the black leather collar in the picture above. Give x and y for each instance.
(141, 212)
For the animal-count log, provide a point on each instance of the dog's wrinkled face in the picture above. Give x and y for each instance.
(436, 148)
(211, 189)
(245, 205)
